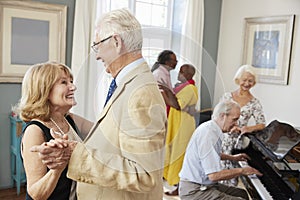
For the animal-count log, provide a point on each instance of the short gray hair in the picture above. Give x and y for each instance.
(123, 23)
(224, 107)
(243, 69)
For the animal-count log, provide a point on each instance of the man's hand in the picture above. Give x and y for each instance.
(53, 155)
(164, 87)
(250, 171)
(168, 96)
(241, 157)
(61, 141)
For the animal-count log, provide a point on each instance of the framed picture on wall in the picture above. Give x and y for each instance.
(268, 47)
(31, 32)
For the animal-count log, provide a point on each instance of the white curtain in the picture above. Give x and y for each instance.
(90, 78)
(89, 75)
(192, 37)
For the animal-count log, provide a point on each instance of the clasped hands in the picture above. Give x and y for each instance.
(57, 152)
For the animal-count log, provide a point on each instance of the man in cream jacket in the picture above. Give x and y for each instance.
(122, 156)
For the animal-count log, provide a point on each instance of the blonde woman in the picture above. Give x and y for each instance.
(47, 97)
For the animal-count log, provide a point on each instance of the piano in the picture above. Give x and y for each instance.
(276, 153)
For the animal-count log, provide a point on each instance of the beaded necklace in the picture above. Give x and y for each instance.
(61, 131)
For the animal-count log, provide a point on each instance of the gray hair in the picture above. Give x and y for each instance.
(243, 69)
(123, 23)
(224, 107)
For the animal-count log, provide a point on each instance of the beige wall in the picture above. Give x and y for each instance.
(281, 102)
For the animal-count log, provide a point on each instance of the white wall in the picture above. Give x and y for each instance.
(281, 102)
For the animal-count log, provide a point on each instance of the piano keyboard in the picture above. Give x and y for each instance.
(262, 191)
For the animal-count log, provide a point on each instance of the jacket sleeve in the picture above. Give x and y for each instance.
(131, 156)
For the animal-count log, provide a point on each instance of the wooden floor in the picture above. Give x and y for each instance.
(11, 194)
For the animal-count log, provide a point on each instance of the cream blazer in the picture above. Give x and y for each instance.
(122, 156)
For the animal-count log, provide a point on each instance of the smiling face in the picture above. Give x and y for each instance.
(119, 40)
(61, 95)
(107, 51)
(247, 81)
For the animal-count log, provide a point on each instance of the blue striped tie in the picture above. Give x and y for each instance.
(111, 90)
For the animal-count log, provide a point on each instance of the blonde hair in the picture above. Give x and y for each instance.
(243, 69)
(37, 84)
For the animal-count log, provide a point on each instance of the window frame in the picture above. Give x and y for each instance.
(132, 7)
(164, 34)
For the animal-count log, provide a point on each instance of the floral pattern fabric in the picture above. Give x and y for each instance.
(252, 109)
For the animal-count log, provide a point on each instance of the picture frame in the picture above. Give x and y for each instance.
(268, 47)
(30, 32)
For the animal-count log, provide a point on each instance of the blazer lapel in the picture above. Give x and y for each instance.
(142, 68)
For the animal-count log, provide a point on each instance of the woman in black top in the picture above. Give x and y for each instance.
(47, 97)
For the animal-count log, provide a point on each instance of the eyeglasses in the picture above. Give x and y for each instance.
(95, 44)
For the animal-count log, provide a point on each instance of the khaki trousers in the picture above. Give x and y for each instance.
(194, 191)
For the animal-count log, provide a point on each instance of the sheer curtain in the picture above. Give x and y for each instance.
(192, 37)
(89, 75)
(90, 78)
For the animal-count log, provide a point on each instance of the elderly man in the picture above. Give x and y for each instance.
(166, 62)
(122, 156)
(202, 168)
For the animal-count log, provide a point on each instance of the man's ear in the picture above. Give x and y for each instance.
(117, 42)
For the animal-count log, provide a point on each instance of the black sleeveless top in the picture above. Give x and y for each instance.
(63, 186)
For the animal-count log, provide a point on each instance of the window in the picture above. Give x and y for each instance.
(155, 13)
(156, 19)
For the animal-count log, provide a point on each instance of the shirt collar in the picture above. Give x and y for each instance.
(128, 68)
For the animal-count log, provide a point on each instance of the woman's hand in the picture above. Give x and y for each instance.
(53, 155)
(235, 130)
(245, 129)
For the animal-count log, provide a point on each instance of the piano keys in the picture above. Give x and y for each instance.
(280, 167)
(260, 188)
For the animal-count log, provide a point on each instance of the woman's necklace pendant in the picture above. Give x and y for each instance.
(60, 130)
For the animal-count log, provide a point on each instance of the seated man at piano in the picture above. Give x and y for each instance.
(202, 169)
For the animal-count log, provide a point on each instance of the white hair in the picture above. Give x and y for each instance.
(123, 23)
(243, 69)
(224, 107)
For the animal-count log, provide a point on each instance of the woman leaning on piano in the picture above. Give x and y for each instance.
(245, 78)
